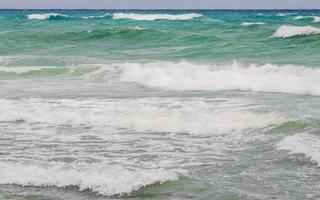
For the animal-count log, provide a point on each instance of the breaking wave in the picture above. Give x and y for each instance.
(46, 16)
(137, 115)
(184, 76)
(316, 19)
(106, 180)
(190, 76)
(96, 16)
(302, 17)
(287, 31)
(282, 14)
(152, 17)
(306, 144)
(251, 23)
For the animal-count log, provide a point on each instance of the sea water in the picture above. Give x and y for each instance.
(163, 104)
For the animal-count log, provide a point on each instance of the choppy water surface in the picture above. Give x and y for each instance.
(159, 104)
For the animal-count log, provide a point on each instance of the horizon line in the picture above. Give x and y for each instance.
(227, 9)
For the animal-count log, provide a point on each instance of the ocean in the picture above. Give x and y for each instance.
(159, 104)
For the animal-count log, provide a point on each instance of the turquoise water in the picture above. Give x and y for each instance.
(215, 36)
(163, 104)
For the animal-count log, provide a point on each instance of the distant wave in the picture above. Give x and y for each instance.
(189, 76)
(151, 17)
(96, 16)
(282, 14)
(251, 23)
(306, 144)
(302, 17)
(316, 18)
(130, 33)
(286, 31)
(46, 16)
(4, 32)
(105, 180)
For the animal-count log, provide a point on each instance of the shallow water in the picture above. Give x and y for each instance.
(159, 104)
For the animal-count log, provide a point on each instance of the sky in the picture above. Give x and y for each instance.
(162, 4)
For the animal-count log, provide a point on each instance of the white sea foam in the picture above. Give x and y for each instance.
(306, 144)
(251, 23)
(283, 14)
(104, 179)
(96, 16)
(45, 16)
(287, 31)
(151, 17)
(316, 18)
(192, 117)
(190, 76)
(4, 60)
(302, 17)
(22, 70)
(184, 75)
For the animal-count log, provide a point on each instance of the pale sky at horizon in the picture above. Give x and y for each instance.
(162, 4)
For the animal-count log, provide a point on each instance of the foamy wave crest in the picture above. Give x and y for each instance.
(306, 144)
(104, 179)
(302, 17)
(190, 76)
(316, 19)
(151, 17)
(138, 115)
(287, 31)
(96, 17)
(22, 70)
(45, 16)
(251, 23)
(283, 14)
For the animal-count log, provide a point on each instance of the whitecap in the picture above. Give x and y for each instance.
(282, 14)
(303, 143)
(286, 31)
(251, 23)
(302, 17)
(45, 16)
(151, 17)
(139, 115)
(22, 70)
(191, 76)
(96, 16)
(106, 180)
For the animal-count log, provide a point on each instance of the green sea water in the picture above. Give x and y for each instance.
(219, 36)
(159, 104)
